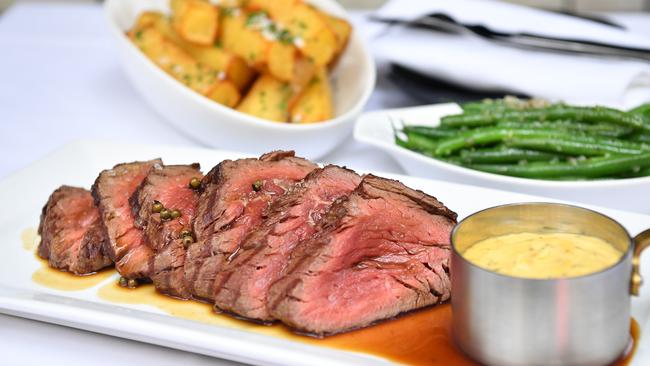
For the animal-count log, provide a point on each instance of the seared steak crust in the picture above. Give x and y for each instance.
(242, 284)
(168, 185)
(276, 238)
(72, 234)
(380, 251)
(126, 244)
(234, 195)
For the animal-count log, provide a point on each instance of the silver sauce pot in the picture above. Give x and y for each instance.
(504, 320)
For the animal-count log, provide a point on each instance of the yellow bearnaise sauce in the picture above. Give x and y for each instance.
(543, 255)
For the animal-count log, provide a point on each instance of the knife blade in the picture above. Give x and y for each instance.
(443, 23)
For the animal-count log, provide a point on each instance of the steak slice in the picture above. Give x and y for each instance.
(233, 196)
(168, 185)
(126, 245)
(380, 251)
(242, 285)
(73, 236)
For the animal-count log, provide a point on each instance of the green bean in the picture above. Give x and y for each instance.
(555, 112)
(643, 172)
(475, 137)
(420, 142)
(484, 105)
(643, 109)
(641, 137)
(402, 143)
(416, 142)
(433, 132)
(600, 129)
(576, 145)
(502, 154)
(588, 168)
(570, 178)
(539, 139)
(506, 103)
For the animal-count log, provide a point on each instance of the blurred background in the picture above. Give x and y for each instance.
(415, 66)
(564, 5)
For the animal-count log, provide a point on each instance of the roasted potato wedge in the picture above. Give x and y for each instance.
(285, 63)
(307, 25)
(239, 72)
(196, 21)
(242, 40)
(178, 63)
(269, 98)
(303, 71)
(171, 58)
(224, 92)
(147, 19)
(342, 29)
(232, 67)
(274, 8)
(281, 59)
(232, 3)
(319, 46)
(314, 104)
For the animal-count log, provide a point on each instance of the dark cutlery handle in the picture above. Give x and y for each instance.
(428, 89)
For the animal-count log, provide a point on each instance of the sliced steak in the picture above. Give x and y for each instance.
(233, 196)
(126, 245)
(242, 285)
(170, 186)
(380, 251)
(72, 234)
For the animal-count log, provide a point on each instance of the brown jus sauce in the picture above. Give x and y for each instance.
(53, 278)
(66, 281)
(419, 338)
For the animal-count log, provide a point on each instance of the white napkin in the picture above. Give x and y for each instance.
(481, 64)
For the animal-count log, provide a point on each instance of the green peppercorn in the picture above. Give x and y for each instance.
(257, 185)
(175, 214)
(132, 283)
(185, 233)
(195, 183)
(187, 241)
(157, 207)
(123, 282)
(165, 214)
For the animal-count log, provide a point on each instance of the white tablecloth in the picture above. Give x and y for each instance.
(60, 81)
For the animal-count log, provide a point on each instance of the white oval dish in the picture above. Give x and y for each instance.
(376, 128)
(218, 126)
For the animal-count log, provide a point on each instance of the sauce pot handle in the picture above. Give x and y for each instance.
(641, 242)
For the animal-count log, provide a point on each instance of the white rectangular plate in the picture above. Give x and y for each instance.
(24, 194)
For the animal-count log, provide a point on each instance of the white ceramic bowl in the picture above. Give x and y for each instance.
(376, 128)
(218, 126)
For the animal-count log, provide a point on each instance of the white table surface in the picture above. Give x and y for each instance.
(60, 81)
